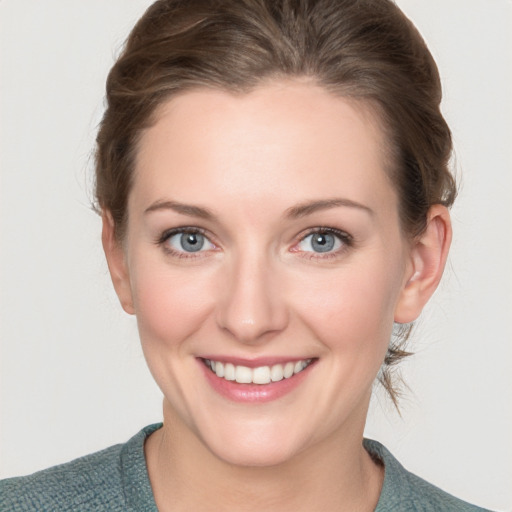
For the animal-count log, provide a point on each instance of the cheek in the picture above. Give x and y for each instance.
(351, 309)
(170, 305)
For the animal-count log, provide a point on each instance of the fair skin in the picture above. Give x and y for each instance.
(263, 229)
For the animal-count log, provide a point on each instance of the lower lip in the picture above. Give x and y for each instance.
(254, 393)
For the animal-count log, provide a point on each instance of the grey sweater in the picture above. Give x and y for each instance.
(116, 480)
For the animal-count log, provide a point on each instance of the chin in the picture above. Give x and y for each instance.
(254, 447)
(253, 455)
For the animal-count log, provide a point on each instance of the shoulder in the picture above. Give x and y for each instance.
(95, 482)
(404, 491)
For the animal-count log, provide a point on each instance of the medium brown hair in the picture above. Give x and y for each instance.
(364, 50)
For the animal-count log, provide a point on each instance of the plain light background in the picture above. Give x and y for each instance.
(73, 378)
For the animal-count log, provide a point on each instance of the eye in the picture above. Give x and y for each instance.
(186, 241)
(324, 241)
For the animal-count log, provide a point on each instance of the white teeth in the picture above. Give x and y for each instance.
(229, 371)
(243, 375)
(219, 368)
(259, 375)
(276, 373)
(288, 370)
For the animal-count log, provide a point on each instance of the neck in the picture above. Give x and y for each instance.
(337, 474)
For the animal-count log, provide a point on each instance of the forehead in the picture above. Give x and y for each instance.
(283, 140)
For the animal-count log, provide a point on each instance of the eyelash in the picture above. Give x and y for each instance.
(166, 235)
(346, 240)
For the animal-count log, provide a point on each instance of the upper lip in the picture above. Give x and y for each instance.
(255, 362)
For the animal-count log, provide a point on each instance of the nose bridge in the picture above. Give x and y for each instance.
(252, 305)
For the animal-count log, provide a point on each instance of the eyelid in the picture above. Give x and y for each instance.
(343, 235)
(169, 233)
(346, 239)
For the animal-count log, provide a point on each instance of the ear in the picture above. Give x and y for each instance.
(116, 261)
(428, 256)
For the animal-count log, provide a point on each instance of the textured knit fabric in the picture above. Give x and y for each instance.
(116, 480)
(112, 480)
(403, 491)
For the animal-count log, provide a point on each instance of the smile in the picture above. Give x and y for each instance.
(259, 375)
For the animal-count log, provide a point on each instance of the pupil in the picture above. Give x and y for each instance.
(192, 242)
(323, 242)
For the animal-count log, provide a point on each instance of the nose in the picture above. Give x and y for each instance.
(252, 306)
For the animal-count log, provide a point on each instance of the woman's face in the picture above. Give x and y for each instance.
(264, 245)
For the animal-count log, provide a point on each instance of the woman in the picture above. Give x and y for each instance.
(274, 188)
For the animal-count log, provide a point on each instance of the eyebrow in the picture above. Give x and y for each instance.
(300, 210)
(307, 208)
(184, 209)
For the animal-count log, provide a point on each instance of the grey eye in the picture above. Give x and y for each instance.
(189, 241)
(320, 242)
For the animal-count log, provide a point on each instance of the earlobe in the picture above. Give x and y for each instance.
(116, 262)
(427, 261)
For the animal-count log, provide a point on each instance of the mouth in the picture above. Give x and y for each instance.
(257, 375)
